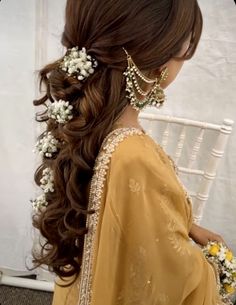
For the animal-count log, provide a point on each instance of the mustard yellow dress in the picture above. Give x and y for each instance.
(138, 250)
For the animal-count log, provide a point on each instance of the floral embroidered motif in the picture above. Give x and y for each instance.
(177, 241)
(96, 189)
(142, 251)
(162, 299)
(134, 186)
(161, 151)
(139, 281)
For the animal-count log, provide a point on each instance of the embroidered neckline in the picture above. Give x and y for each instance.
(95, 195)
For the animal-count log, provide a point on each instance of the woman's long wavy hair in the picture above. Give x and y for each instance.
(153, 32)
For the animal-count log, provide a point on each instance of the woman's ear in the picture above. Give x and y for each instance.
(174, 67)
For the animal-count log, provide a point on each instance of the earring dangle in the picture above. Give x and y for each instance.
(154, 97)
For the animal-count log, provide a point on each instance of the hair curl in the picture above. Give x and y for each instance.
(153, 32)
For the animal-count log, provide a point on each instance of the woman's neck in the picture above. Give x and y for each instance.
(129, 118)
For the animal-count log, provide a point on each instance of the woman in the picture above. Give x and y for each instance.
(100, 166)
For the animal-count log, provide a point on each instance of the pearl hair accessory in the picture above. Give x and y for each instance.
(61, 111)
(154, 97)
(47, 145)
(78, 63)
(47, 180)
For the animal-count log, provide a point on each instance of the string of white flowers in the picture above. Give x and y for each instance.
(78, 63)
(61, 111)
(47, 184)
(39, 203)
(47, 180)
(47, 145)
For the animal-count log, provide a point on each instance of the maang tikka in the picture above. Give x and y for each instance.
(154, 97)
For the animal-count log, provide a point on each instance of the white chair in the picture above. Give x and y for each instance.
(181, 132)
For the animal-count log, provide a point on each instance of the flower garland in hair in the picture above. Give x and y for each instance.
(48, 145)
(79, 64)
(223, 258)
(47, 180)
(39, 203)
(61, 111)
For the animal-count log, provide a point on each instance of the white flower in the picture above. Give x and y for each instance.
(221, 254)
(47, 145)
(74, 54)
(61, 111)
(227, 273)
(83, 72)
(88, 65)
(47, 180)
(39, 203)
(78, 63)
(226, 280)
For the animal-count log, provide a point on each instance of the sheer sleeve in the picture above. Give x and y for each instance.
(145, 256)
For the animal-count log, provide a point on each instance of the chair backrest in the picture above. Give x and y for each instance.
(180, 133)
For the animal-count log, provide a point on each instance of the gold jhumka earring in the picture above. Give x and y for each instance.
(154, 97)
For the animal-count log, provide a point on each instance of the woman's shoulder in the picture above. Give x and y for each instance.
(137, 154)
(135, 146)
(132, 145)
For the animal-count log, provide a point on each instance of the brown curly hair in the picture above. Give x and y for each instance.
(153, 32)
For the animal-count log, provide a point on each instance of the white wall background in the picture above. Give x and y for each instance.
(30, 37)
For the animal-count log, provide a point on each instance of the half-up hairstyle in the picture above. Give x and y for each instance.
(153, 32)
